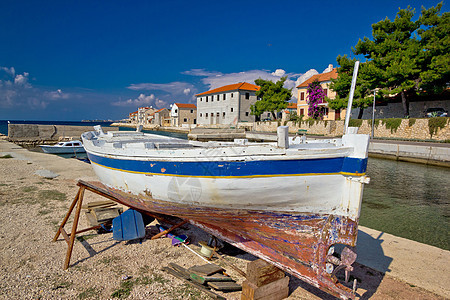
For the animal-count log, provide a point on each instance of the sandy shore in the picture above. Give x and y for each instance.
(31, 266)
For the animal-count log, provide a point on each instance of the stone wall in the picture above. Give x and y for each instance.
(41, 134)
(394, 110)
(409, 129)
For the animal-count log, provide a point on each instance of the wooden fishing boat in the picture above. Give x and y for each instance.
(288, 202)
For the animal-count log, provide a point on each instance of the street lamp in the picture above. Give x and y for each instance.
(373, 112)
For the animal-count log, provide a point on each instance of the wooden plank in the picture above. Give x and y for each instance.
(276, 290)
(180, 270)
(205, 270)
(105, 214)
(193, 284)
(260, 272)
(102, 203)
(204, 279)
(226, 286)
(168, 230)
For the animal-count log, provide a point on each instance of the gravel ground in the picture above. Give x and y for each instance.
(31, 265)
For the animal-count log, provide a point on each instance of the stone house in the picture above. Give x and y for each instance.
(227, 105)
(143, 114)
(324, 80)
(132, 117)
(159, 116)
(183, 114)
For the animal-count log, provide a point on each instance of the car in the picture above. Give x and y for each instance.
(435, 112)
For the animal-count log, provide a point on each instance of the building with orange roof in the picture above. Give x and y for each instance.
(183, 114)
(159, 116)
(228, 104)
(324, 80)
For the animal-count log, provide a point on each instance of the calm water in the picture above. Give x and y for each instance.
(408, 200)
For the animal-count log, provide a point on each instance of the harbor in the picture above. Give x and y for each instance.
(403, 265)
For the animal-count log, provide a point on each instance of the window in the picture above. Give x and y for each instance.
(206, 115)
(223, 115)
(206, 98)
(223, 96)
(247, 95)
(231, 109)
(218, 97)
(69, 145)
(302, 96)
(192, 111)
(184, 120)
(302, 112)
(201, 99)
(246, 113)
(200, 115)
(325, 92)
(218, 114)
(231, 95)
(268, 115)
(176, 110)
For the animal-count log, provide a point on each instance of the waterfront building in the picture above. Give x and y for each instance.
(143, 114)
(183, 114)
(132, 117)
(228, 104)
(324, 80)
(159, 116)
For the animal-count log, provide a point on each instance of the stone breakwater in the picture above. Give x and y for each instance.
(33, 134)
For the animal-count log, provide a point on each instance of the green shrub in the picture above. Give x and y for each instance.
(392, 124)
(355, 123)
(434, 124)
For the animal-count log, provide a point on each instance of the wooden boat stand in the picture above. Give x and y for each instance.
(70, 238)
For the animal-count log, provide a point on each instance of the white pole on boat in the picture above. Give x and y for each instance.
(350, 96)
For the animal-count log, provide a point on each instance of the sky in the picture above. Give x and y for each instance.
(78, 60)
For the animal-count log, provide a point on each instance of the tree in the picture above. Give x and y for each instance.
(341, 85)
(435, 40)
(394, 55)
(316, 96)
(273, 97)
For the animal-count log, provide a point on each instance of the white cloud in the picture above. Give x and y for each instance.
(58, 94)
(16, 91)
(328, 69)
(310, 73)
(279, 72)
(22, 79)
(174, 88)
(201, 72)
(10, 71)
(142, 100)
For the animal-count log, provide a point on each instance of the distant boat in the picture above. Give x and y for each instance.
(64, 147)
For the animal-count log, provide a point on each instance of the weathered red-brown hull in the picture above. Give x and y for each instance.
(295, 242)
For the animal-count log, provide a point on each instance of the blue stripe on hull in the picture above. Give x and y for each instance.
(236, 168)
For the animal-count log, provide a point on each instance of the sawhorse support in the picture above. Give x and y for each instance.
(102, 191)
(70, 239)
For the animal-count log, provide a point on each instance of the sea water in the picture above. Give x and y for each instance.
(409, 200)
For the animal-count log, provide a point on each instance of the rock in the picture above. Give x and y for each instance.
(46, 174)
